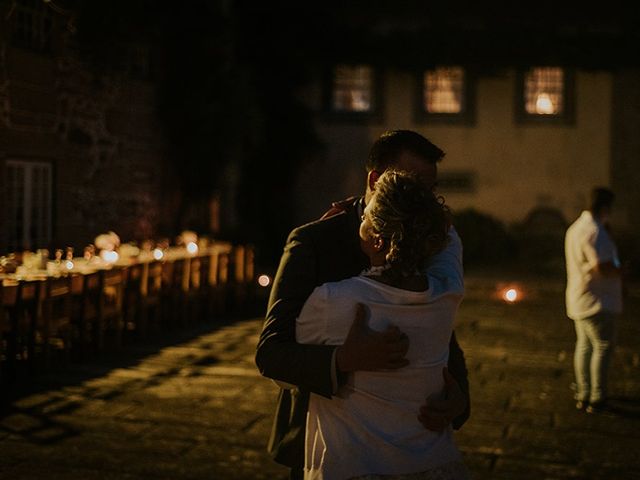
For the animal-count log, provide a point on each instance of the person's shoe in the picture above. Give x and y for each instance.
(582, 404)
(597, 407)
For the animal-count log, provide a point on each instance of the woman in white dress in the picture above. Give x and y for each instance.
(370, 429)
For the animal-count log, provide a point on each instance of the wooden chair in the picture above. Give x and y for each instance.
(55, 326)
(151, 297)
(203, 288)
(21, 308)
(223, 285)
(111, 320)
(99, 311)
(132, 304)
(86, 290)
(196, 288)
(189, 278)
(175, 282)
(214, 294)
(8, 346)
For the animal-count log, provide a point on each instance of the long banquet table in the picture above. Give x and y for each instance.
(82, 308)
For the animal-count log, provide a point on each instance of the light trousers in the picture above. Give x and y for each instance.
(595, 339)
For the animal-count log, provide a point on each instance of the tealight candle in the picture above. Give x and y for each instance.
(192, 248)
(109, 256)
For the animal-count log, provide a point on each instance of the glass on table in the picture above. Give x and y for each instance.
(43, 255)
(53, 268)
(8, 264)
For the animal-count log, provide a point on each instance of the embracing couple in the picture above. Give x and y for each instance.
(359, 330)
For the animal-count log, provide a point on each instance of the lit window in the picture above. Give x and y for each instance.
(446, 95)
(28, 209)
(443, 90)
(544, 91)
(352, 89)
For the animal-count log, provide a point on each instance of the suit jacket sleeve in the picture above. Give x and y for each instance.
(278, 355)
(458, 368)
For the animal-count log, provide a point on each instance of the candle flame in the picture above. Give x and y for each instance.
(192, 248)
(109, 256)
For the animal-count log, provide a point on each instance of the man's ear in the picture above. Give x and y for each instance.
(372, 178)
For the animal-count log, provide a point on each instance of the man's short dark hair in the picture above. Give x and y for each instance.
(390, 145)
(601, 197)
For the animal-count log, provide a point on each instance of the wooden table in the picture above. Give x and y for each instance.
(30, 321)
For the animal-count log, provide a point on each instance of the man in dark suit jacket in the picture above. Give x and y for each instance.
(328, 250)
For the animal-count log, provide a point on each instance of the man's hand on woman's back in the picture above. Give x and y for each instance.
(366, 349)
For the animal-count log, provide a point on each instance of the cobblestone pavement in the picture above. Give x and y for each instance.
(196, 408)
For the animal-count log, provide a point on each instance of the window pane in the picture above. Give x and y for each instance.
(28, 209)
(352, 88)
(544, 91)
(33, 24)
(444, 90)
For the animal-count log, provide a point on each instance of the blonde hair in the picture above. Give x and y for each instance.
(411, 218)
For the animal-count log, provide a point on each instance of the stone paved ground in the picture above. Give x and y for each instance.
(194, 407)
(524, 423)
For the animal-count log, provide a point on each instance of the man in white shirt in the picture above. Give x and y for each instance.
(593, 298)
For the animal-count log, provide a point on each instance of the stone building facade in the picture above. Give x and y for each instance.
(81, 152)
(532, 171)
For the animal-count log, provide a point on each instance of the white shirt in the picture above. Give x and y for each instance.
(371, 425)
(587, 244)
(446, 271)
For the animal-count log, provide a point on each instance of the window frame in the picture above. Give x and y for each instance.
(23, 241)
(567, 117)
(40, 39)
(373, 115)
(467, 114)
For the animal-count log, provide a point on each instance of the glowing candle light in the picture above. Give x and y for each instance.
(158, 254)
(109, 256)
(264, 280)
(192, 248)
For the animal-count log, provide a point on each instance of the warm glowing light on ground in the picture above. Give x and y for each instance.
(264, 280)
(192, 248)
(512, 292)
(511, 295)
(158, 254)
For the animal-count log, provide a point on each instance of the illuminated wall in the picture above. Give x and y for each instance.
(514, 167)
